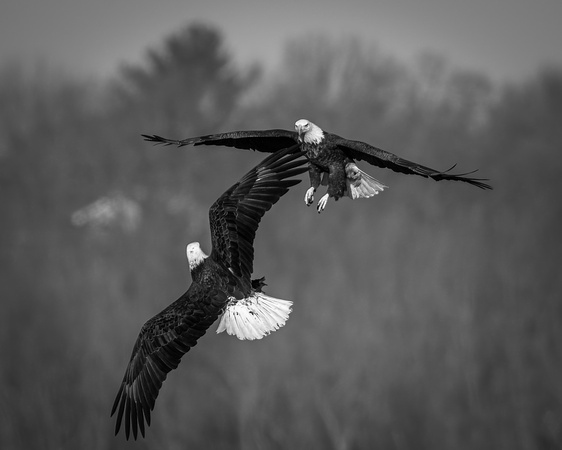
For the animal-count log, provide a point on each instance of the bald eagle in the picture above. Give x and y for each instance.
(331, 159)
(221, 288)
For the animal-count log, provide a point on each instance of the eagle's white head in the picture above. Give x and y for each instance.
(309, 133)
(195, 255)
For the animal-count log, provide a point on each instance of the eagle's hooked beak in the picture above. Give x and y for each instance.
(300, 131)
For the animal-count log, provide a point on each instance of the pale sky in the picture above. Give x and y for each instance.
(506, 39)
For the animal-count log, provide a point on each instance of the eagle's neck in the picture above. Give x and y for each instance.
(308, 132)
(313, 136)
(195, 256)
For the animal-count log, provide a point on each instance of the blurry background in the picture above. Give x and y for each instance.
(427, 317)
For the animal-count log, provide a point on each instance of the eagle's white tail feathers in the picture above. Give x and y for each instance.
(254, 317)
(360, 184)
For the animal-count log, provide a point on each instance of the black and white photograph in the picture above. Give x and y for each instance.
(281, 225)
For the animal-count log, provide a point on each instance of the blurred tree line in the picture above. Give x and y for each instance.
(428, 317)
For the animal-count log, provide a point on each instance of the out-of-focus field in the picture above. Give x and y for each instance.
(427, 317)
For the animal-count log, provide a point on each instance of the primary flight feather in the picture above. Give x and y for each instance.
(331, 159)
(221, 288)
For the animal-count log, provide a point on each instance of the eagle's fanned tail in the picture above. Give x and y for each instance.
(255, 316)
(360, 184)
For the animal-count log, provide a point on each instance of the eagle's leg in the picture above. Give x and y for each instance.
(336, 184)
(315, 178)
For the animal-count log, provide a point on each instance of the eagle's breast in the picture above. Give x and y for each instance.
(312, 150)
(323, 154)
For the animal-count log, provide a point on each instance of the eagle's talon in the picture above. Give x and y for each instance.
(309, 196)
(322, 203)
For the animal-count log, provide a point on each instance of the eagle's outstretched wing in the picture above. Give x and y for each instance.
(161, 343)
(165, 338)
(362, 151)
(235, 216)
(267, 141)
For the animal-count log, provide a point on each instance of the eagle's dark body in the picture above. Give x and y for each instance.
(218, 281)
(328, 155)
(328, 159)
(212, 275)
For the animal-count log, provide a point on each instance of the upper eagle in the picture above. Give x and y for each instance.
(331, 159)
(221, 284)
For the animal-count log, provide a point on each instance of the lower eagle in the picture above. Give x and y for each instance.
(221, 289)
(331, 159)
